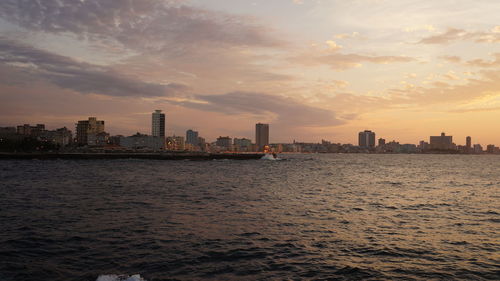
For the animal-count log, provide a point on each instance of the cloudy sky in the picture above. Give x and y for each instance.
(313, 69)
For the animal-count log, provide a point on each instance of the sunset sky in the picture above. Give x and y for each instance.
(313, 69)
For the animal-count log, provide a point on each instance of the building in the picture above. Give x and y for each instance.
(143, 142)
(442, 142)
(224, 143)
(30, 131)
(478, 148)
(261, 136)
(61, 137)
(468, 142)
(381, 142)
(192, 138)
(366, 139)
(158, 124)
(244, 145)
(176, 143)
(84, 128)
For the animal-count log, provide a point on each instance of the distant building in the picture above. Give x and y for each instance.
(84, 128)
(442, 142)
(468, 142)
(176, 143)
(192, 138)
(225, 143)
(62, 137)
(99, 139)
(31, 131)
(261, 136)
(244, 145)
(366, 139)
(143, 142)
(158, 124)
(478, 148)
(423, 146)
(381, 142)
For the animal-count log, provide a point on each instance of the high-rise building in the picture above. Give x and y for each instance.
(84, 128)
(158, 124)
(468, 142)
(261, 136)
(442, 142)
(192, 138)
(366, 139)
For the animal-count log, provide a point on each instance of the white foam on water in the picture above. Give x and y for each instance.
(269, 156)
(114, 277)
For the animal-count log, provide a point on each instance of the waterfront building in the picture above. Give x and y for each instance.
(143, 142)
(423, 146)
(224, 143)
(158, 124)
(243, 144)
(366, 139)
(381, 142)
(61, 137)
(31, 131)
(84, 128)
(478, 148)
(261, 136)
(468, 142)
(442, 142)
(192, 138)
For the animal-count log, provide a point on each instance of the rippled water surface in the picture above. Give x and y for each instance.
(345, 217)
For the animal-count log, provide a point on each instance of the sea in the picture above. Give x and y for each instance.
(301, 217)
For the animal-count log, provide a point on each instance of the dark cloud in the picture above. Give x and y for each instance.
(285, 111)
(144, 25)
(79, 76)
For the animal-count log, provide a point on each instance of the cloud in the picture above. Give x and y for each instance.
(332, 45)
(82, 77)
(347, 35)
(144, 25)
(455, 34)
(452, 59)
(483, 63)
(339, 61)
(280, 110)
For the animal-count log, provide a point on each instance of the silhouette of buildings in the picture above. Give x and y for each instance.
(366, 139)
(442, 142)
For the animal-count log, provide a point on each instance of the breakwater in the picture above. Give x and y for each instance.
(152, 156)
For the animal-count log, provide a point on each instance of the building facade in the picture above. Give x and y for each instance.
(84, 128)
(192, 138)
(366, 139)
(261, 136)
(143, 142)
(442, 142)
(158, 124)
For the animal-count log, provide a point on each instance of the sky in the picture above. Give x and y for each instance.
(312, 69)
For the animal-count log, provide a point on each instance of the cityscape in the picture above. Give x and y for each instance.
(154, 140)
(91, 136)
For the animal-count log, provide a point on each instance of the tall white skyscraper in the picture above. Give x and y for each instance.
(158, 124)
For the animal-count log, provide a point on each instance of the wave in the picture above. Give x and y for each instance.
(114, 277)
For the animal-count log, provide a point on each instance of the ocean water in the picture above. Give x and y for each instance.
(307, 217)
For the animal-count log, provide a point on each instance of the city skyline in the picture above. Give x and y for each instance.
(404, 69)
